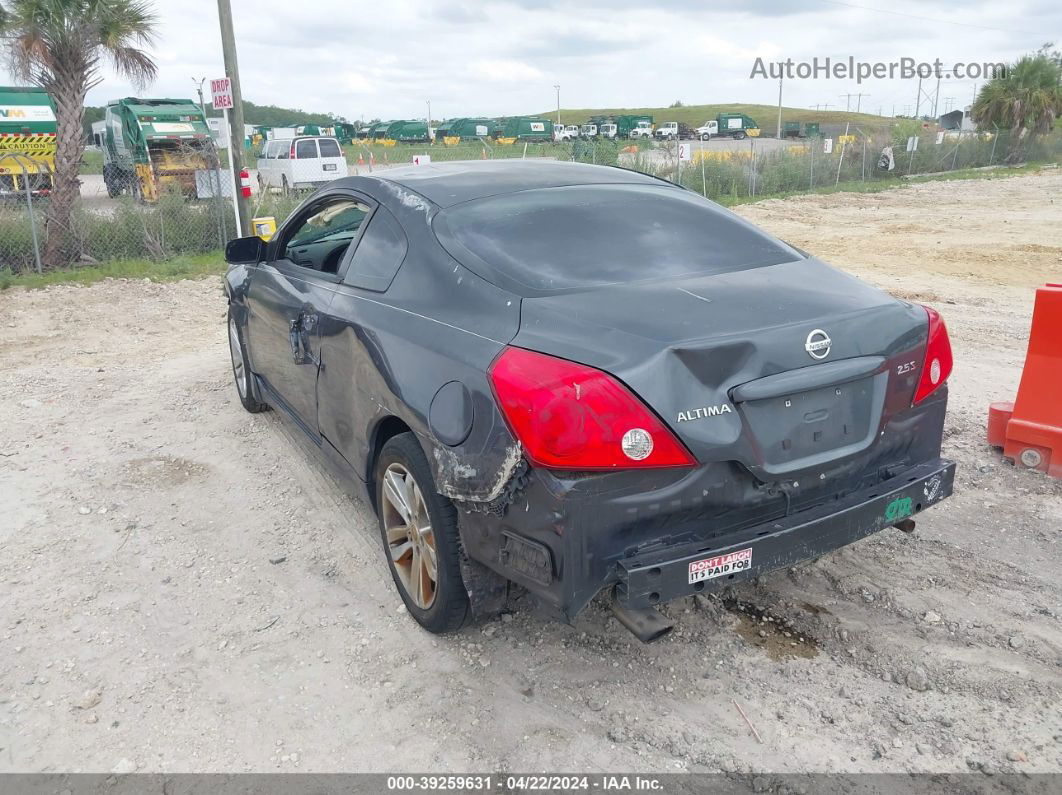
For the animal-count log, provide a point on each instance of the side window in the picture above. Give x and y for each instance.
(329, 148)
(283, 149)
(321, 239)
(379, 254)
(306, 148)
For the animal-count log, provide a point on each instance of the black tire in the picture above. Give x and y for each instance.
(449, 607)
(740, 136)
(706, 136)
(241, 367)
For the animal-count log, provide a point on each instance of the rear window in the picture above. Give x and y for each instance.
(592, 235)
(306, 149)
(329, 148)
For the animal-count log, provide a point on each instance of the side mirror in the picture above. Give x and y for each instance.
(245, 251)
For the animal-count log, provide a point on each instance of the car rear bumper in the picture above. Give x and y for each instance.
(655, 578)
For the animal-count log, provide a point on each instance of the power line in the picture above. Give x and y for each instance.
(928, 19)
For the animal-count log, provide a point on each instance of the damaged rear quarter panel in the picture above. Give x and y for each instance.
(436, 324)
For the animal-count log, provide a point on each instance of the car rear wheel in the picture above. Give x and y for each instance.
(420, 538)
(706, 136)
(241, 369)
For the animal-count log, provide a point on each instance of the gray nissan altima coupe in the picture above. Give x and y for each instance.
(575, 378)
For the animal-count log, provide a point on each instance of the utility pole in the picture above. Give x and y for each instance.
(936, 98)
(859, 100)
(847, 101)
(431, 138)
(557, 87)
(232, 71)
(918, 105)
(779, 108)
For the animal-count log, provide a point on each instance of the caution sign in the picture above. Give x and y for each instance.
(33, 144)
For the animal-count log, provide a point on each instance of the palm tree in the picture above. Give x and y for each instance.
(1027, 100)
(59, 46)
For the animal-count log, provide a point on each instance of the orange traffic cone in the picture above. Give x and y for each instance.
(361, 159)
(1030, 429)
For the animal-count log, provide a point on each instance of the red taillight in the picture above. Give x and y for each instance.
(937, 366)
(570, 416)
(291, 152)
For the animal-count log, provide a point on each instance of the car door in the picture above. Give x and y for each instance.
(357, 367)
(289, 293)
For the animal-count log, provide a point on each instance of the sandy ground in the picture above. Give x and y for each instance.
(184, 590)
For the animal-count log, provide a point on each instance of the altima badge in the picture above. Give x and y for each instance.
(818, 344)
(704, 411)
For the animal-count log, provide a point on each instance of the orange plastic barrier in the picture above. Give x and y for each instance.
(1030, 429)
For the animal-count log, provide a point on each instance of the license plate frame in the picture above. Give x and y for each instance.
(328, 167)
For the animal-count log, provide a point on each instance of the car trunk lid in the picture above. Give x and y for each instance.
(786, 369)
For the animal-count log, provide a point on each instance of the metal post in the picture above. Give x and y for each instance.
(32, 220)
(840, 160)
(232, 71)
(236, 186)
(995, 138)
(779, 108)
(811, 180)
(704, 181)
(557, 87)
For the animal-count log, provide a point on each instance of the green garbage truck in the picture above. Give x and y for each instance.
(524, 128)
(27, 140)
(152, 145)
(465, 128)
(405, 131)
(735, 125)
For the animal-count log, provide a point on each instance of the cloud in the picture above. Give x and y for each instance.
(504, 70)
(503, 57)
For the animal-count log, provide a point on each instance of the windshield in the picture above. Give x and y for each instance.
(591, 235)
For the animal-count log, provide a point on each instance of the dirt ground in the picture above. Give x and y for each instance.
(182, 589)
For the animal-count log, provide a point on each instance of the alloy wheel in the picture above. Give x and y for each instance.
(409, 535)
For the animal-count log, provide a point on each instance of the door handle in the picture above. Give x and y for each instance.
(300, 347)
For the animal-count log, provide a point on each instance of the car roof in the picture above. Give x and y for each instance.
(451, 183)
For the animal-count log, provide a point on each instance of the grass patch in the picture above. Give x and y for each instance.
(878, 185)
(92, 162)
(171, 270)
(696, 115)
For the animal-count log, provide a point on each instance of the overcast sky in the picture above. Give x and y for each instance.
(504, 56)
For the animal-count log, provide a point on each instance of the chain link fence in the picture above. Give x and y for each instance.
(115, 218)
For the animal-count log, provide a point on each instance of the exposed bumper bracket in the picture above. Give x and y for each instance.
(680, 571)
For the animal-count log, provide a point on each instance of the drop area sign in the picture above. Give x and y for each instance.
(221, 93)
